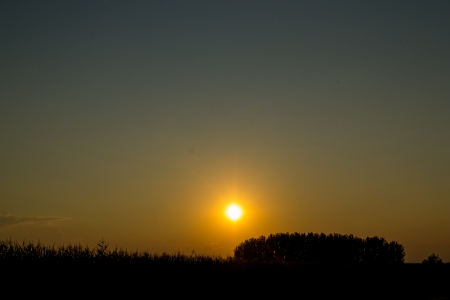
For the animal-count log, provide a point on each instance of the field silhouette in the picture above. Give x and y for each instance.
(264, 271)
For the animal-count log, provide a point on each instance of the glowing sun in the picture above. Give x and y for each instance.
(234, 212)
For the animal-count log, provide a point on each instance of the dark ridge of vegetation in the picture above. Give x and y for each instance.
(12, 251)
(321, 248)
(116, 272)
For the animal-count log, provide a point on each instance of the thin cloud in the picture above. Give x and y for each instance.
(10, 219)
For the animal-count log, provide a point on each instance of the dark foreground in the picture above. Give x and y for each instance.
(226, 278)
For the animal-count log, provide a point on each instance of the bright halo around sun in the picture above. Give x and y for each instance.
(234, 212)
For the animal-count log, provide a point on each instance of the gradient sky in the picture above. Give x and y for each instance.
(139, 121)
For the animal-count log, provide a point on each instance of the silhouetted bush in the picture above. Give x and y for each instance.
(321, 248)
(433, 259)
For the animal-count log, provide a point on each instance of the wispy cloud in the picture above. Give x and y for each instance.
(7, 219)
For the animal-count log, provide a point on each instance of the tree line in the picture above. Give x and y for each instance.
(321, 248)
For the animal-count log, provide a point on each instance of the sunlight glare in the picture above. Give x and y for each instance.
(233, 212)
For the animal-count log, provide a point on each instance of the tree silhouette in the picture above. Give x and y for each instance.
(321, 248)
(432, 260)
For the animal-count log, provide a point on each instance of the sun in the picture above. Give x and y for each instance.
(234, 212)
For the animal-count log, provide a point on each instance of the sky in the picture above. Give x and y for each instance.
(139, 121)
